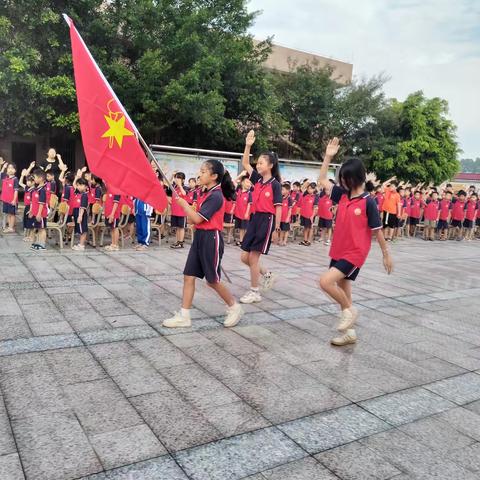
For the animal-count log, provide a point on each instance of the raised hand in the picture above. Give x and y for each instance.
(32, 164)
(332, 147)
(250, 140)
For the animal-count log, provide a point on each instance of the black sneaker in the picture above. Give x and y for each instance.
(33, 246)
(177, 245)
(38, 247)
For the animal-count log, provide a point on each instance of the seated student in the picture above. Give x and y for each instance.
(9, 195)
(80, 212)
(471, 212)
(39, 211)
(458, 215)
(243, 206)
(308, 211)
(112, 212)
(432, 207)
(445, 208)
(287, 205)
(178, 219)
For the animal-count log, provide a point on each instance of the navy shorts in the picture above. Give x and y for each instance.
(284, 226)
(38, 224)
(348, 269)
(325, 223)
(178, 222)
(390, 220)
(442, 225)
(9, 209)
(259, 233)
(27, 222)
(81, 228)
(456, 223)
(205, 256)
(305, 222)
(228, 218)
(413, 221)
(241, 224)
(468, 223)
(113, 224)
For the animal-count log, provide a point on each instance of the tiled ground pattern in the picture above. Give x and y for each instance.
(93, 387)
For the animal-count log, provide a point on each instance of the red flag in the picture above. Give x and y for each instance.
(109, 136)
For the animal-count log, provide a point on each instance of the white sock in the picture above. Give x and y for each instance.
(254, 289)
(185, 312)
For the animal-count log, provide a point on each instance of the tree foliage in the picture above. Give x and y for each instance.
(416, 141)
(189, 74)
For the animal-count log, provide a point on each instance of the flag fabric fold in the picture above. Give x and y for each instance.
(109, 136)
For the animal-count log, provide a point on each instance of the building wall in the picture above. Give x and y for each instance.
(282, 58)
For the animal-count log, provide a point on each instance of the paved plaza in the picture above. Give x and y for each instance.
(93, 387)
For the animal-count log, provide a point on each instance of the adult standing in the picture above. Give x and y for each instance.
(53, 163)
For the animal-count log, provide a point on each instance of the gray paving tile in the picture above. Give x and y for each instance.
(160, 352)
(101, 407)
(38, 344)
(468, 457)
(303, 469)
(253, 452)
(10, 467)
(174, 421)
(461, 389)
(334, 428)
(54, 447)
(7, 444)
(357, 462)
(117, 334)
(437, 435)
(163, 468)
(463, 420)
(406, 406)
(129, 445)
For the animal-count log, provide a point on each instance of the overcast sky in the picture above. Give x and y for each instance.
(429, 45)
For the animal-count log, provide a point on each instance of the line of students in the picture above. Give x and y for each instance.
(445, 214)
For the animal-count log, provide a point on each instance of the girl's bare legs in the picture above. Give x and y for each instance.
(188, 291)
(223, 292)
(330, 284)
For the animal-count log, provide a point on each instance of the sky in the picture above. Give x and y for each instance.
(429, 45)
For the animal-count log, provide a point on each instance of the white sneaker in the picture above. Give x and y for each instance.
(349, 338)
(79, 247)
(177, 321)
(347, 319)
(251, 297)
(269, 280)
(234, 314)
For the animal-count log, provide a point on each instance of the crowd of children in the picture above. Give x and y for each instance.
(259, 206)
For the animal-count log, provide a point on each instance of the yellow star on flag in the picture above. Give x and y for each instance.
(116, 130)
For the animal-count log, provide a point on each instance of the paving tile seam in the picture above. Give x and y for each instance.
(9, 417)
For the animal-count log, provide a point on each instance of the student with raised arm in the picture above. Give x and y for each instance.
(267, 215)
(357, 217)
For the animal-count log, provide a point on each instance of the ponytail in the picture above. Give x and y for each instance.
(223, 178)
(228, 188)
(273, 159)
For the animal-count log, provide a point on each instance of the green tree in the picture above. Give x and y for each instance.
(415, 140)
(188, 72)
(470, 165)
(316, 108)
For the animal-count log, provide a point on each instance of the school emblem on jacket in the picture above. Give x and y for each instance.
(357, 212)
(267, 194)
